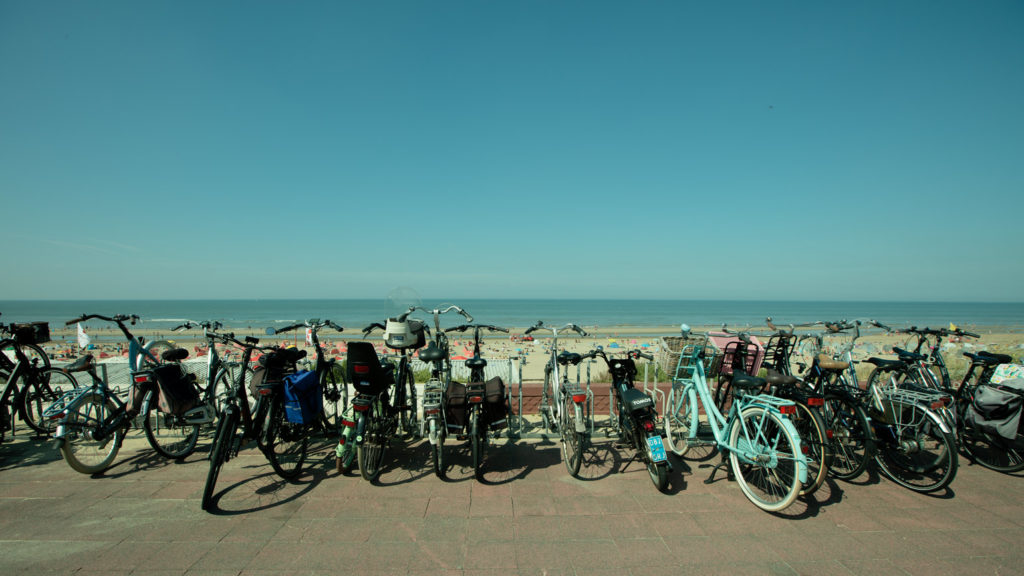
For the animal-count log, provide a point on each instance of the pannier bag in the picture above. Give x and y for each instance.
(495, 410)
(32, 333)
(177, 390)
(410, 334)
(303, 398)
(997, 409)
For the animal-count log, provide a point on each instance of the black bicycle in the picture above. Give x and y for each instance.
(282, 442)
(30, 385)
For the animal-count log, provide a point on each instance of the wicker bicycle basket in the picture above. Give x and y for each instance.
(670, 348)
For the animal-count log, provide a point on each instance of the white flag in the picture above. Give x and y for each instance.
(83, 338)
(309, 336)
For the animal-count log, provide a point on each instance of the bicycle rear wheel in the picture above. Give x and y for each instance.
(764, 458)
(45, 388)
(287, 442)
(918, 454)
(994, 452)
(333, 392)
(405, 402)
(547, 401)
(227, 424)
(169, 435)
(476, 445)
(678, 420)
(572, 440)
(852, 444)
(814, 444)
(81, 451)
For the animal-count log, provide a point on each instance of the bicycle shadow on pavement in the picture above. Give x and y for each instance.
(405, 461)
(506, 462)
(268, 489)
(31, 451)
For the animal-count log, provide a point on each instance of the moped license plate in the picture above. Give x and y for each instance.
(657, 448)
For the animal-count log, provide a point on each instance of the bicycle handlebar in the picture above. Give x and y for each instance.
(370, 328)
(119, 318)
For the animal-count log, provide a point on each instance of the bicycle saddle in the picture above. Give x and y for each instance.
(747, 382)
(175, 355)
(826, 362)
(569, 358)
(431, 353)
(476, 362)
(997, 358)
(82, 364)
(908, 356)
(886, 364)
(776, 378)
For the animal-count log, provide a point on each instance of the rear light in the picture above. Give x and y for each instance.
(805, 450)
(266, 391)
(648, 426)
(341, 441)
(57, 416)
(476, 399)
(362, 368)
(787, 409)
(431, 411)
(348, 423)
(578, 398)
(140, 378)
(829, 434)
(815, 401)
(360, 407)
(938, 404)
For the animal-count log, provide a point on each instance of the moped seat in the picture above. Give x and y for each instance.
(636, 400)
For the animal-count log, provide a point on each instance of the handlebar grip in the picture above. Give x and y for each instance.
(499, 329)
(646, 356)
(250, 339)
(579, 330)
(972, 334)
(530, 329)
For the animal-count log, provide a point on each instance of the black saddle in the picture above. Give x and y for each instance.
(175, 355)
(431, 353)
(476, 362)
(989, 358)
(776, 378)
(746, 382)
(83, 364)
(908, 356)
(569, 358)
(887, 364)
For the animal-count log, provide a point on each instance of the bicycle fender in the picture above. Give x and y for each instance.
(938, 420)
(581, 426)
(360, 428)
(801, 458)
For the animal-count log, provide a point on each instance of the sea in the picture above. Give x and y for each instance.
(354, 314)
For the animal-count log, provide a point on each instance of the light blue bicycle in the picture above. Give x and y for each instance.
(762, 445)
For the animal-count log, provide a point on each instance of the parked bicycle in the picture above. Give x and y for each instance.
(636, 415)
(479, 408)
(93, 420)
(328, 373)
(282, 442)
(761, 444)
(378, 416)
(565, 406)
(30, 385)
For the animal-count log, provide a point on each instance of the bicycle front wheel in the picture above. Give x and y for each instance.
(678, 421)
(169, 435)
(333, 392)
(437, 456)
(547, 404)
(287, 442)
(475, 445)
(994, 452)
(45, 388)
(219, 451)
(572, 440)
(764, 458)
(80, 449)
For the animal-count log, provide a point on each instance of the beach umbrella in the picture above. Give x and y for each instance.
(613, 345)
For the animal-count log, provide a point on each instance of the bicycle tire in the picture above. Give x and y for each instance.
(677, 422)
(333, 394)
(814, 444)
(437, 456)
(993, 452)
(765, 433)
(921, 457)
(37, 357)
(168, 434)
(546, 404)
(852, 445)
(658, 471)
(572, 441)
(287, 442)
(475, 447)
(370, 453)
(345, 454)
(407, 421)
(227, 426)
(80, 451)
(47, 387)
(6, 415)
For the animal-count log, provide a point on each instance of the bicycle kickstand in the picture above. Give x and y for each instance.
(729, 476)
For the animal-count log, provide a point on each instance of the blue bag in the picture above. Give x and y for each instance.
(303, 399)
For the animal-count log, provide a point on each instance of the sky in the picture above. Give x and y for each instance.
(538, 149)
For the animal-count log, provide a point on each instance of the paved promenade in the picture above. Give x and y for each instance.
(530, 517)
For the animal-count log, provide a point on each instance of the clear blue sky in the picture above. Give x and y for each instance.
(752, 150)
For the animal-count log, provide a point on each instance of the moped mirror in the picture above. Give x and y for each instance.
(685, 329)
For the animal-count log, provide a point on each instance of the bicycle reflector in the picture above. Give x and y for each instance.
(348, 423)
(787, 409)
(579, 398)
(141, 378)
(360, 407)
(815, 401)
(361, 368)
(476, 399)
(431, 411)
